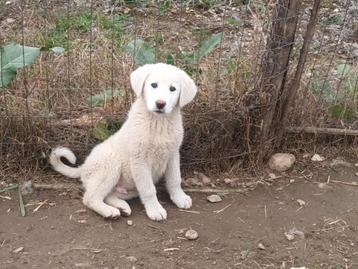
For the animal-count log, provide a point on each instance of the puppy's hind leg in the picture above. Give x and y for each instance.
(96, 189)
(122, 205)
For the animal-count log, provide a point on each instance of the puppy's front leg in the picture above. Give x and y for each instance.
(142, 176)
(173, 183)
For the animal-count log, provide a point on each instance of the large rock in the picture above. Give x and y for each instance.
(281, 161)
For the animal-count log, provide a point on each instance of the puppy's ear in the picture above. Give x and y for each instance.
(188, 90)
(138, 78)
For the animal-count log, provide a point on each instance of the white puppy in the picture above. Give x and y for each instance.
(144, 150)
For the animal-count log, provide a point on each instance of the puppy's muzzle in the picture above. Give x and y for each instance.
(160, 104)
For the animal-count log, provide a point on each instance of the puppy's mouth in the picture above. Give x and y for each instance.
(159, 111)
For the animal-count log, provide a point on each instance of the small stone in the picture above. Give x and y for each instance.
(131, 258)
(324, 186)
(356, 164)
(227, 180)
(301, 202)
(317, 158)
(204, 179)
(289, 236)
(299, 233)
(129, 222)
(18, 250)
(356, 174)
(193, 182)
(9, 20)
(214, 198)
(261, 246)
(281, 161)
(273, 176)
(191, 234)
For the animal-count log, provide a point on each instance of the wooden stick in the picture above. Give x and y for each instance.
(345, 183)
(314, 130)
(207, 190)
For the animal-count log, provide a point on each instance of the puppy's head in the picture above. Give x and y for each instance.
(163, 87)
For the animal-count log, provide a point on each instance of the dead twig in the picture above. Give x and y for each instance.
(314, 130)
(39, 206)
(170, 249)
(345, 183)
(207, 190)
(221, 210)
(189, 211)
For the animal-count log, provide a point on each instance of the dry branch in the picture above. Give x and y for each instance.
(314, 130)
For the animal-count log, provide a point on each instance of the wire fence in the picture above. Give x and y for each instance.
(76, 93)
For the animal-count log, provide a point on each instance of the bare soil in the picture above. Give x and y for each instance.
(249, 231)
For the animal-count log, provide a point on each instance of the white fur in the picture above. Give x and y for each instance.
(143, 151)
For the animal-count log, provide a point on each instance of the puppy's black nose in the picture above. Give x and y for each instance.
(160, 104)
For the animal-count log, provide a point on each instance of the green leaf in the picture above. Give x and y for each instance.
(343, 69)
(209, 45)
(58, 49)
(170, 59)
(232, 21)
(13, 57)
(21, 203)
(340, 111)
(205, 48)
(141, 51)
(101, 131)
(99, 99)
(9, 188)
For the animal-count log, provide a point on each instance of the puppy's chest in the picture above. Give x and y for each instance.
(159, 148)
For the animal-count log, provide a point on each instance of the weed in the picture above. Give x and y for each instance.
(81, 22)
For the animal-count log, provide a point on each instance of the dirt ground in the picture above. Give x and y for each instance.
(248, 231)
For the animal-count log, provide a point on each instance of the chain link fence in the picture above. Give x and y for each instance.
(65, 69)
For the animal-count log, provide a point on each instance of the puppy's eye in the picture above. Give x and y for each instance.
(172, 88)
(154, 85)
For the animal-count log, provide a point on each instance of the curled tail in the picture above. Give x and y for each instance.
(59, 166)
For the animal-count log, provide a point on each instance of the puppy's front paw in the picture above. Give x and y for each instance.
(111, 212)
(182, 200)
(156, 211)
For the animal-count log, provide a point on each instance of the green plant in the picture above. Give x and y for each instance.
(141, 52)
(81, 22)
(205, 4)
(165, 6)
(104, 130)
(100, 99)
(13, 57)
(233, 21)
(344, 100)
(205, 48)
